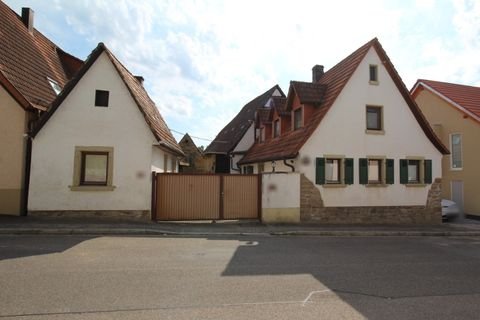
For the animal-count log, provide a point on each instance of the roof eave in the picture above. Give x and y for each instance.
(450, 101)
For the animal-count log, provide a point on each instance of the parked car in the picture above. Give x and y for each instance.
(450, 210)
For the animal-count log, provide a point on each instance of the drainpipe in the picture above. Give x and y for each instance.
(288, 165)
(232, 167)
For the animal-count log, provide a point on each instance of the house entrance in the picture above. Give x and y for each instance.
(177, 197)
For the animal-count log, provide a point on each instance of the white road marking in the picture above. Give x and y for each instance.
(311, 294)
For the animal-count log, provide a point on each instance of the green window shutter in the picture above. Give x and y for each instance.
(320, 171)
(390, 172)
(363, 170)
(348, 171)
(428, 171)
(403, 171)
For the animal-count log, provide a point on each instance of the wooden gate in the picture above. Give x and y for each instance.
(177, 197)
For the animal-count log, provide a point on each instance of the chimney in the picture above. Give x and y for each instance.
(140, 79)
(27, 18)
(317, 73)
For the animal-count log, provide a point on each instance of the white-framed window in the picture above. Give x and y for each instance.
(456, 157)
(414, 175)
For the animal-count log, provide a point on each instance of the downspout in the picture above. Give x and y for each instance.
(289, 165)
(238, 169)
(26, 172)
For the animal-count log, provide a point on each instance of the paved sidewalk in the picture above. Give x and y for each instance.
(62, 225)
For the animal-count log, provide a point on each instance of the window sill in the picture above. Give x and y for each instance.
(369, 131)
(375, 83)
(376, 185)
(334, 185)
(92, 188)
(456, 169)
(415, 185)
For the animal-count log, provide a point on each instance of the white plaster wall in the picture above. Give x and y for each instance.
(342, 132)
(243, 145)
(77, 122)
(281, 190)
(158, 159)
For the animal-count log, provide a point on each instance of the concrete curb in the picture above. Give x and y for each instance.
(160, 232)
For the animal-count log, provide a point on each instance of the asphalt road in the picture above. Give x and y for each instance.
(77, 277)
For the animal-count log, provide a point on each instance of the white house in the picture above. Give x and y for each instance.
(94, 150)
(234, 140)
(365, 149)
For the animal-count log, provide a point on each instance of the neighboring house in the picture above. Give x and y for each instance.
(453, 111)
(234, 140)
(95, 148)
(194, 161)
(366, 151)
(33, 70)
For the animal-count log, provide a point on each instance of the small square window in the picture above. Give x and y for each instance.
(297, 119)
(374, 118)
(94, 168)
(373, 73)
(413, 171)
(374, 171)
(332, 170)
(101, 98)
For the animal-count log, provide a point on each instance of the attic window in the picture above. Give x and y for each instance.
(101, 98)
(373, 74)
(55, 86)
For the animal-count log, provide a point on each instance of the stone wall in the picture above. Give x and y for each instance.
(312, 209)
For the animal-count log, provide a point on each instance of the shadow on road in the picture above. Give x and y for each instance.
(372, 276)
(12, 247)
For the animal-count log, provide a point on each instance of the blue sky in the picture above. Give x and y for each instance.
(203, 60)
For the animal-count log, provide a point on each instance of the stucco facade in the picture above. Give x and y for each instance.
(120, 127)
(343, 132)
(13, 124)
(446, 120)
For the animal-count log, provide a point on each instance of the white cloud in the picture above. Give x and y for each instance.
(203, 60)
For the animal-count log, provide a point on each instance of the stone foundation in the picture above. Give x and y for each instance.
(107, 214)
(312, 209)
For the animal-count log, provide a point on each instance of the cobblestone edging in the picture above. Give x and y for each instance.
(312, 209)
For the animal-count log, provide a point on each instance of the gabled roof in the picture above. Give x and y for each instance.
(307, 92)
(233, 132)
(333, 82)
(146, 106)
(465, 98)
(27, 60)
(280, 104)
(188, 141)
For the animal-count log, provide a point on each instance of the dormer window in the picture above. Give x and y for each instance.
(101, 98)
(373, 74)
(276, 128)
(297, 119)
(55, 86)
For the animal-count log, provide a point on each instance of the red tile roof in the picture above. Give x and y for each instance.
(137, 91)
(307, 92)
(228, 138)
(466, 98)
(332, 82)
(27, 59)
(280, 104)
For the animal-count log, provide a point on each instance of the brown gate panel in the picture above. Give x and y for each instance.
(240, 197)
(188, 197)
